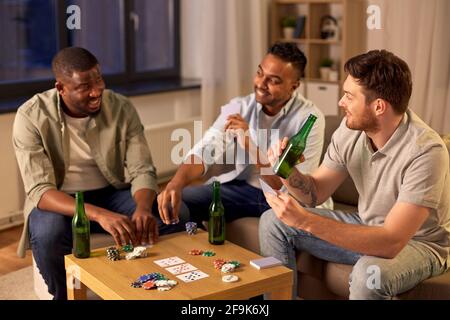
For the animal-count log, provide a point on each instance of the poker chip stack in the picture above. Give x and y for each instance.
(218, 263)
(149, 277)
(113, 254)
(228, 268)
(154, 280)
(164, 285)
(208, 253)
(138, 252)
(191, 228)
(196, 252)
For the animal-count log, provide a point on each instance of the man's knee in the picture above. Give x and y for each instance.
(368, 279)
(267, 221)
(270, 228)
(184, 214)
(49, 229)
(197, 195)
(269, 224)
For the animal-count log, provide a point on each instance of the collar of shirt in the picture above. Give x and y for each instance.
(391, 145)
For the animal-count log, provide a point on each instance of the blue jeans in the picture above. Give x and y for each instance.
(371, 277)
(238, 198)
(51, 233)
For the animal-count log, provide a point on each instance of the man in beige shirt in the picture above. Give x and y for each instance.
(81, 137)
(400, 167)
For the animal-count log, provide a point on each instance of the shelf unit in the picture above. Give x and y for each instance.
(351, 41)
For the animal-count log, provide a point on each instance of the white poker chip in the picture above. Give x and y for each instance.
(161, 283)
(171, 283)
(164, 288)
(228, 268)
(138, 252)
(230, 278)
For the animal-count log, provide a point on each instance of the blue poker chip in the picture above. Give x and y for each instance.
(144, 278)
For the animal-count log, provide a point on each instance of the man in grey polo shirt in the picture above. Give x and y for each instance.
(400, 167)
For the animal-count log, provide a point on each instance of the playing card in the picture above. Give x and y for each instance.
(167, 262)
(266, 188)
(192, 276)
(181, 268)
(229, 109)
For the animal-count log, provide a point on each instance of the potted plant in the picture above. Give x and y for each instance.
(288, 25)
(325, 68)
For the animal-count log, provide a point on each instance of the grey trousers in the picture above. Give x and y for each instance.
(371, 277)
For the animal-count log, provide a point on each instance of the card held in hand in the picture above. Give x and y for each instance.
(266, 188)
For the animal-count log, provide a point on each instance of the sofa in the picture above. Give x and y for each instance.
(317, 279)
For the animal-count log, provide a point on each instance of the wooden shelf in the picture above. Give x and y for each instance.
(308, 1)
(349, 13)
(311, 41)
(320, 80)
(324, 41)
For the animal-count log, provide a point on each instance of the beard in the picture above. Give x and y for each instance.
(367, 122)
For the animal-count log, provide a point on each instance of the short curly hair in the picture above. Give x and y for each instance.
(289, 52)
(382, 75)
(72, 59)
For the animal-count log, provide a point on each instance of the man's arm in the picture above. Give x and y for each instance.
(170, 197)
(40, 182)
(143, 218)
(384, 241)
(119, 226)
(138, 157)
(195, 165)
(312, 190)
(240, 128)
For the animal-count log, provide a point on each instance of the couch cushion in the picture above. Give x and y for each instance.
(436, 288)
(336, 278)
(310, 288)
(244, 232)
(310, 265)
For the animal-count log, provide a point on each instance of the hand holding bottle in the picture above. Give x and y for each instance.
(293, 149)
(277, 150)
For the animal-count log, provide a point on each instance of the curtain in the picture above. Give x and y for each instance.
(234, 39)
(418, 32)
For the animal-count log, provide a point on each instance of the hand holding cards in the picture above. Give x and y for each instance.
(227, 110)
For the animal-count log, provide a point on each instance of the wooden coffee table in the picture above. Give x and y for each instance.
(112, 279)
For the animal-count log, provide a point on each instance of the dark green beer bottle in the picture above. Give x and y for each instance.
(294, 149)
(216, 223)
(80, 229)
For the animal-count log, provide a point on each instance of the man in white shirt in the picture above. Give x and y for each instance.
(257, 120)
